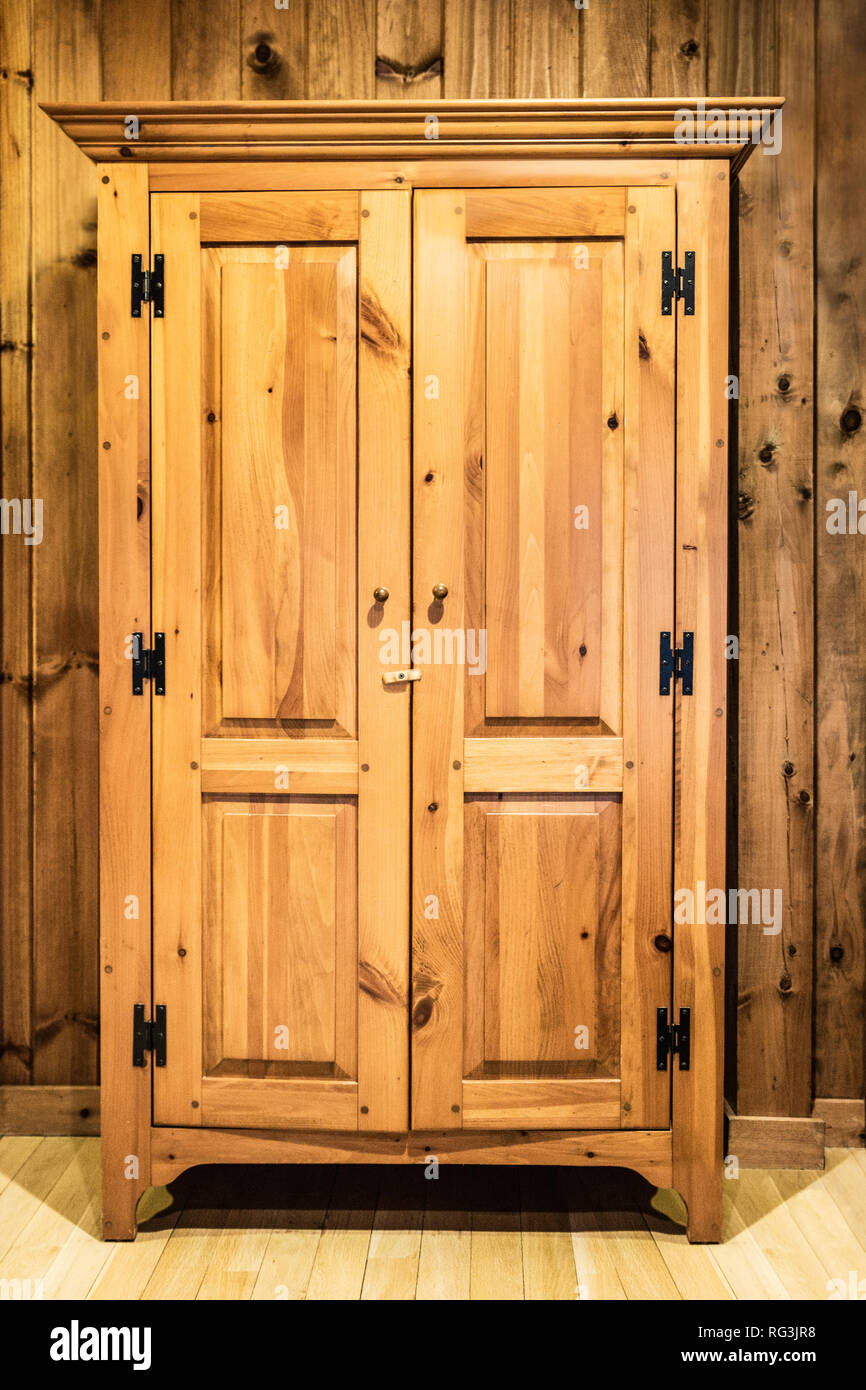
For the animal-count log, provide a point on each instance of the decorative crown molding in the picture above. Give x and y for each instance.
(709, 127)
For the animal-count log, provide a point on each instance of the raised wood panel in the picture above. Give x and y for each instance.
(288, 447)
(552, 486)
(280, 939)
(549, 904)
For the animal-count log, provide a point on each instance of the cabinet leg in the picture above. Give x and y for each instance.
(702, 1194)
(121, 1189)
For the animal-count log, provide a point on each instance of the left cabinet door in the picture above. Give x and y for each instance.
(280, 461)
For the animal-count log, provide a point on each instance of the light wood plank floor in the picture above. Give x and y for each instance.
(390, 1233)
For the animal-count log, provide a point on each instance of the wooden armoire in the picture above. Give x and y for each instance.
(413, 605)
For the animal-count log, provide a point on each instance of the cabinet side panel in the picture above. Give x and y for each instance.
(124, 719)
(699, 846)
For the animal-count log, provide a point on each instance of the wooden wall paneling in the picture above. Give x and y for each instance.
(701, 601)
(840, 904)
(124, 721)
(611, 66)
(409, 49)
(49, 1109)
(16, 331)
(64, 1037)
(478, 49)
(775, 557)
(205, 50)
(678, 48)
(341, 49)
(273, 50)
(546, 44)
(135, 51)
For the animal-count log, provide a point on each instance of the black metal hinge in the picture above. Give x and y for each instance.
(679, 283)
(675, 1038)
(676, 663)
(148, 665)
(147, 1036)
(148, 286)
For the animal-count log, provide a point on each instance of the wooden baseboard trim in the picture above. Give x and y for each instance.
(648, 1152)
(775, 1141)
(844, 1121)
(49, 1109)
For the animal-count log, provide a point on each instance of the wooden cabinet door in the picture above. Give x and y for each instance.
(280, 466)
(542, 750)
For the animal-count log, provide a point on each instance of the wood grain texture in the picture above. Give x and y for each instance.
(49, 1110)
(384, 713)
(176, 566)
(546, 49)
(543, 764)
(142, 68)
(648, 597)
(341, 48)
(16, 557)
(741, 46)
(646, 1151)
(776, 568)
(701, 608)
(438, 550)
(268, 176)
(65, 980)
(478, 49)
(678, 47)
(612, 67)
(409, 50)
(205, 57)
(328, 766)
(125, 723)
(282, 217)
(840, 901)
(273, 50)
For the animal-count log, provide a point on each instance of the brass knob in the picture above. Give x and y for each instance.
(380, 594)
(440, 591)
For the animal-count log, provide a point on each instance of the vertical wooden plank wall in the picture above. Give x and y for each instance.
(840, 948)
(802, 782)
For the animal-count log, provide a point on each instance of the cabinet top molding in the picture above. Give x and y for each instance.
(706, 127)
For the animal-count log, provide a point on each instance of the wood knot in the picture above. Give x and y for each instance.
(377, 329)
(263, 57)
(422, 1012)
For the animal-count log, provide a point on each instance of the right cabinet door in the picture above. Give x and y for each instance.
(544, 414)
